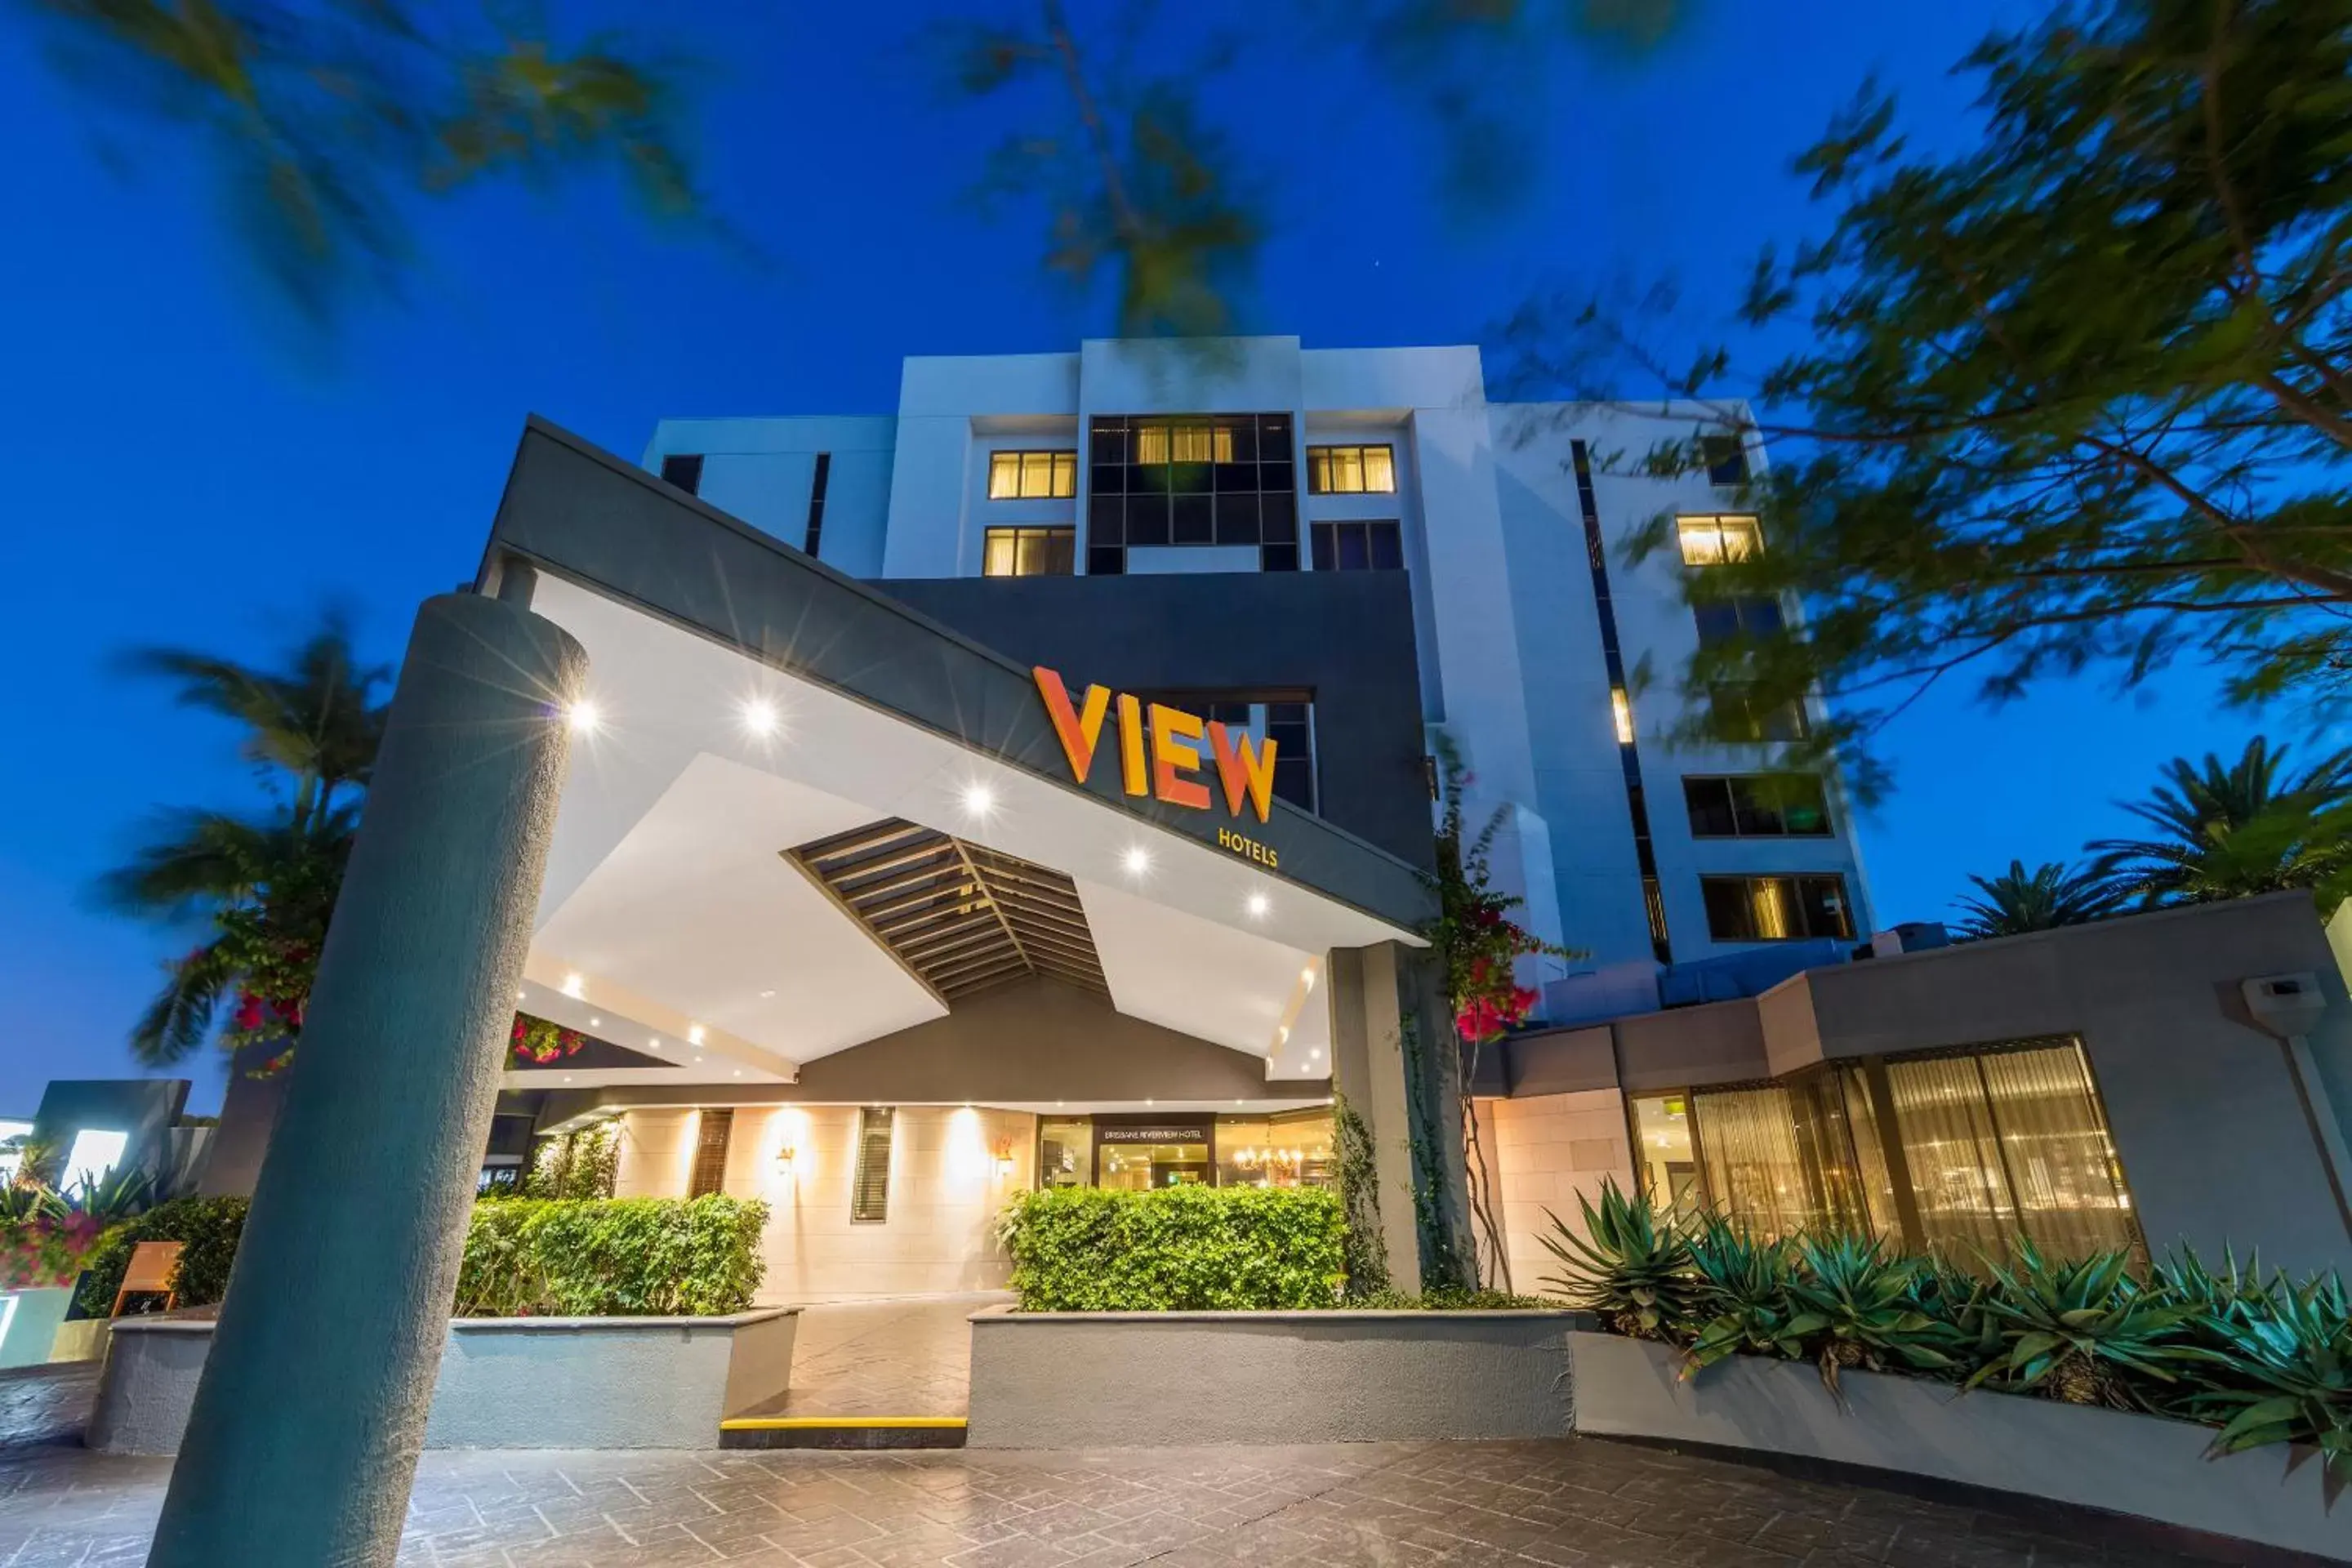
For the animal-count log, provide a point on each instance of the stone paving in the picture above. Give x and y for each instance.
(1573, 1504)
(904, 1357)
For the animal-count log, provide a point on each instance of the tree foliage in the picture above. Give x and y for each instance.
(2076, 396)
(262, 885)
(327, 121)
(2044, 899)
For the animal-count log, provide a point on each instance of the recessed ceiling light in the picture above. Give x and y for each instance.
(739, 1072)
(595, 1023)
(1137, 861)
(765, 994)
(583, 717)
(521, 994)
(694, 1035)
(567, 1077)
(1258, 904)
(759, 716)
(1150, 1102)
(978, 800)
(655, 1042)
(573, 985)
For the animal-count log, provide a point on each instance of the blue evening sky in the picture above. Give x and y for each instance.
(184, 470)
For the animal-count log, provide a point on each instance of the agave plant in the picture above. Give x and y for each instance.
(2232, 1292)
(2285, 1373)
(1744, 1296)
(1626, 1265)
(1957, 1298)
(2081, 1331)
(1867, 1299)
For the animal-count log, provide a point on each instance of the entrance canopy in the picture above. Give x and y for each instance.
(800, 816)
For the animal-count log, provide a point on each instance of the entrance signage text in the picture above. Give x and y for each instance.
(1249, 848)
(1244, 766)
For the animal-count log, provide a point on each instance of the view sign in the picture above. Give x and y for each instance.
(1170, 769)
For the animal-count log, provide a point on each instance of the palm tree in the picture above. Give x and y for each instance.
(2050, 896)
(263, 884)
(2228, 832)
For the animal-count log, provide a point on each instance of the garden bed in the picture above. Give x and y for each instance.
(1084, 1379)
(2129, 1464)
(504, 1383)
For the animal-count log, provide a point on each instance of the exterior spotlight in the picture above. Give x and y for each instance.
(595, 1023)
(694, 1035)
(583, 717)
(655, 1042)
(575, 986)
(1283, 1033)
(1138, 861)
(1258, 905)
(978, 800)
(759, 716)
(1307, 975)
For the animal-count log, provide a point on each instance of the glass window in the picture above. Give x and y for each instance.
(1757, 805)
(1027, 476)
(1209, 464)
(1065, 1152)
(1712, 540)
(1726, 457)
(1756, 1170)
(1621, 709)
(1350, 470)
(1736, 717)
(1139, 1158)
(1663, 1155)
(1029, 552)
(1749, 615)
(869, 1192)
(683, 469)
(1290, 1150)
(1358, 547)
(1776, 908)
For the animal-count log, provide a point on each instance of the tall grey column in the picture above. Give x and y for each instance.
(303, 1440)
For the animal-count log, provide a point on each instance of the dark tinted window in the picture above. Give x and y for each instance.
(1726, 459)
(1720, 620)
(683, 469)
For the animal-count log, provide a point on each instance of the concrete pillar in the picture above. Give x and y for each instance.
(303, 1440)
(1368, 1070)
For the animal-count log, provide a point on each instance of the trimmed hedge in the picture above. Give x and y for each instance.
(207, 1228)
(1188, 1249)
(575, 1259)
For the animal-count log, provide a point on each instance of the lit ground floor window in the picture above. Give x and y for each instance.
(1281, 1149)
(1957, 1153)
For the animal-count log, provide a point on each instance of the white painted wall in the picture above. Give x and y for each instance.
(947, 1184)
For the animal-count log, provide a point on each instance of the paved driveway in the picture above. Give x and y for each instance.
(1582, 1503)
(911, 1356)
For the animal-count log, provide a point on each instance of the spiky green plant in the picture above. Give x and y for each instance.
(1745, 1300)
(1867, 1300)
(2085, 1331)
(1626, 1266)
(2279, 1369)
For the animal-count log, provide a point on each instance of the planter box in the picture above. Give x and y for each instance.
(1069, 1379)
(2127, 1464)
(505, 1383)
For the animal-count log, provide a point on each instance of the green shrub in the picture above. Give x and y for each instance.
(581, 1258)
(1188, 1249)
(208, 1230)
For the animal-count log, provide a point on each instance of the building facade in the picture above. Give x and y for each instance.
(1546, 660)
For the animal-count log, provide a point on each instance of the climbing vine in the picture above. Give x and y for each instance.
(1364, 1252)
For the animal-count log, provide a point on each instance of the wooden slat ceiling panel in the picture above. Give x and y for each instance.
(957, 917)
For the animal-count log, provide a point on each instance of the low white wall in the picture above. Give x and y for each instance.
(2138, 1465)
(504, 1383)
(1057, 1380)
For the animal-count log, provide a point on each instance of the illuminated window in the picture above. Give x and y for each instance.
(1032, 476)
(1776, 908)
(870, 1193)
(1621, 705)
(1188, 442)
(1737, 716)
(1712, 540)
(1350, 470)
(1030, 552)
(1216, 480)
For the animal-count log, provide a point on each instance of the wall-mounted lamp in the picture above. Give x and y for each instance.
(1003, 1157)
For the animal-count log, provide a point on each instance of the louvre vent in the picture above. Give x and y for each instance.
(959, 917)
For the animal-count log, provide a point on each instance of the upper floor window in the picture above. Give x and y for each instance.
(1737, 715)
(1757, 805)
(1726, 459)
(1030, 552)
(1216, 480)
(1358, 547)
(1033, 476)
(1776, 908)
(1742, 615)
(683, 469)
(1350, 470)
(1712, 540)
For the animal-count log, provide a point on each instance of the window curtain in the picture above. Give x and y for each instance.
(1754, 1170)
(2061, 1160)
(1954, 1156)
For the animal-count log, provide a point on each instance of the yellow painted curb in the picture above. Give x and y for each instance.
(805, 1423)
